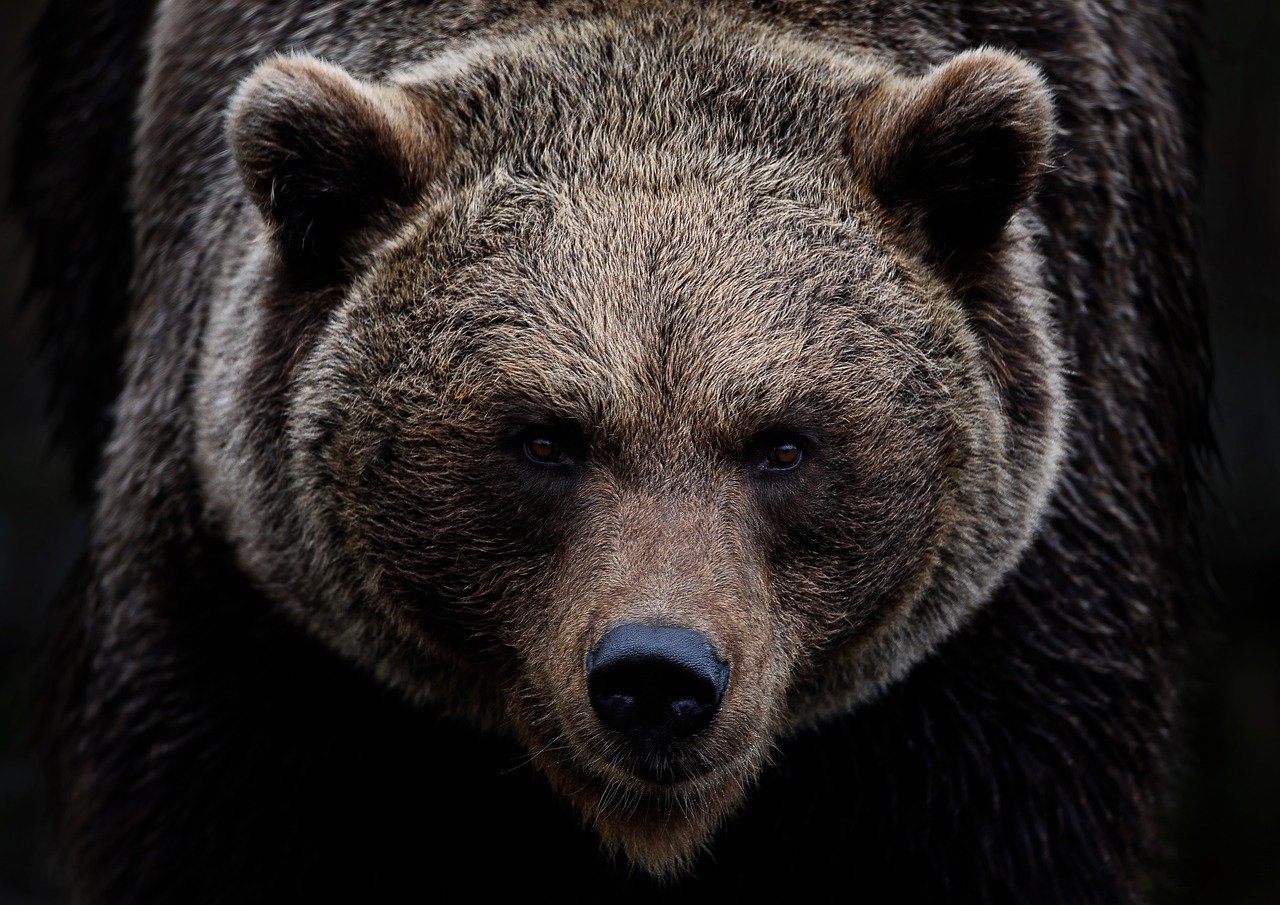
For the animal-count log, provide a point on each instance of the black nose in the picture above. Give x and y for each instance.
(654, 683)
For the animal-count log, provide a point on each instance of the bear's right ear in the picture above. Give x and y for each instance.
(331, 161)
(951, 155)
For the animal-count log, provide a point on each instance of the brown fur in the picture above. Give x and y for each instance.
(670, 290)
(668, 231)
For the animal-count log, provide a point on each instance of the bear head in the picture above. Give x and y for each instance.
(641, 390)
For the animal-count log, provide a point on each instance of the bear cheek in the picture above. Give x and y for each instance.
(403, 480)
(858, 553)
(446, 499)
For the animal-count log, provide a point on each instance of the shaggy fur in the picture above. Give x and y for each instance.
(669, 234)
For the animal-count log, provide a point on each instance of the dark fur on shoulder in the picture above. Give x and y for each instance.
(70, 177)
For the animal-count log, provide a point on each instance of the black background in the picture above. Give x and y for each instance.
(1227, 826)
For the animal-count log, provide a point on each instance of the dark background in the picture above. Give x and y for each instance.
(1227, 827)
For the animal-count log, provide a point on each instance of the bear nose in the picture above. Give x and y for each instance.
(655, 683)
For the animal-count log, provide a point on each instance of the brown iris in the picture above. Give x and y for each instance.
(783, 457)
(543, 450)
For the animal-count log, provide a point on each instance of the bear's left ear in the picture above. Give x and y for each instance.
(953, 154)
(331, 161)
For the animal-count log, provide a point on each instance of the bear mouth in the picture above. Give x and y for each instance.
(651, 767)
(661, 769)
(657, 764)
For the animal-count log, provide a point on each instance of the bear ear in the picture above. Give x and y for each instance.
(953, 154)
(331, 161)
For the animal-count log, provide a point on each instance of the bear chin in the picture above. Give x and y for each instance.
(659, 828)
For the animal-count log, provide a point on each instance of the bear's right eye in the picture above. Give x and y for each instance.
(544, 451)
(783, 457)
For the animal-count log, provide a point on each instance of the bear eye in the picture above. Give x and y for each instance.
(778, 452)
(783, 457)
(544, 450)
(551, 446)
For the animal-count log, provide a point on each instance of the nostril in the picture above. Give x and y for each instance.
(638, 692)
(656, 682)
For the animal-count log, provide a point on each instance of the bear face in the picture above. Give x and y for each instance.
(539, 350)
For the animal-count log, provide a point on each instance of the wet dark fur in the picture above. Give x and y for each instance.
(1026, 761)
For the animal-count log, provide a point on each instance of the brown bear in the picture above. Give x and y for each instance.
(658, 449)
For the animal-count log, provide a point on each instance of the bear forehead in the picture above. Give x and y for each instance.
(705, 302)
(569, 98)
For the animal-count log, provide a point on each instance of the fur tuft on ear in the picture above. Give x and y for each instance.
(329, 160)
(953, 154)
